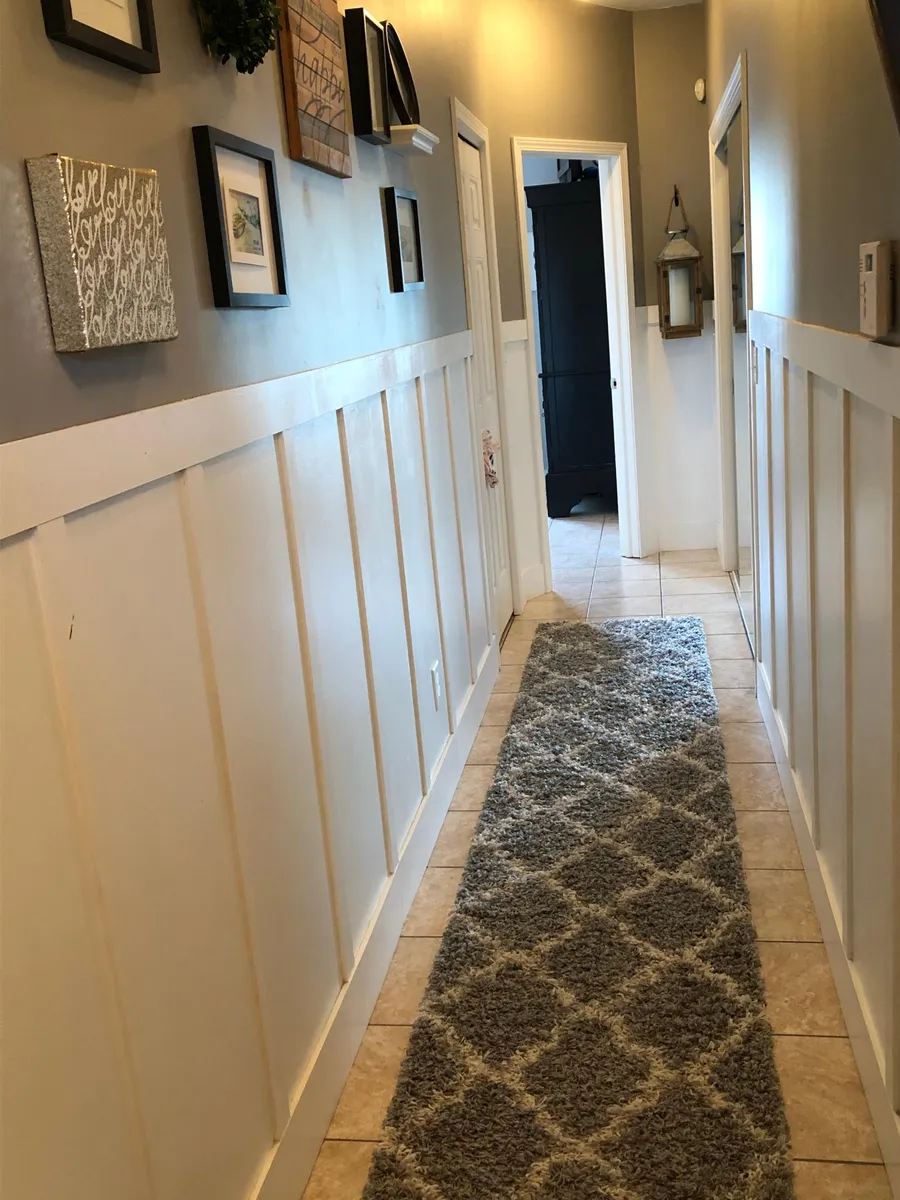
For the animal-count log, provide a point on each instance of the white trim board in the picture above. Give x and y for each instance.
(208, 646)
(466, 125)
(868, 369)
(633, 443)
(45, 477)
(734, 99)
(289, 1163)
(885, 1120)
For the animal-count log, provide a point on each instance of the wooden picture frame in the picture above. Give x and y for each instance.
(314, 81)
(230, 265)
(886, 18)
(406, 267)
(61, 25)
(366, 47)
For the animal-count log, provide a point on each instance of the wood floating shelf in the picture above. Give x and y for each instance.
(413, 139)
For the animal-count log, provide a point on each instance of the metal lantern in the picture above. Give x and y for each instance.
(678, 270)
(738, 288)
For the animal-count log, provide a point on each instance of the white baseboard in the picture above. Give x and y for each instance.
(687, 535)
(286, 1170)
(884, 1118)
(532, 582)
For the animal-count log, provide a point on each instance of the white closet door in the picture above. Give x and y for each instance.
(484, 380)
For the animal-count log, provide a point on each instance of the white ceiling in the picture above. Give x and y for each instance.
(636, 4)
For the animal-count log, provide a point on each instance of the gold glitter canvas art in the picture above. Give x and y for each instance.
(103, 247)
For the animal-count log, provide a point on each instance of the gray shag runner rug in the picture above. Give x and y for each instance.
(594, 1026)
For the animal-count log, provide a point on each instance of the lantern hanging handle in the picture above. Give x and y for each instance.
(678, 222)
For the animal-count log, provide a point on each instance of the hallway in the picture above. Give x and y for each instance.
(833, 1140)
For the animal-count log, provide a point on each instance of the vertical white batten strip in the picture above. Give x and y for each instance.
(404, 590)
(754, 492)
(46, 544)
(813, 600)
(478, 471)
(448, 409)
(893, 1055)
(389, 851)
(847, 930)
(190, 504)
(770, 549)
(343, 939)
(429, 506)
(787, 399)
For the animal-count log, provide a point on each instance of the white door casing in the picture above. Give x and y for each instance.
(485, 375)
(632, 433)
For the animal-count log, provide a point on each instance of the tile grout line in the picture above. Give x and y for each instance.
(842, 1162)
(821, 1037)
(587, 615)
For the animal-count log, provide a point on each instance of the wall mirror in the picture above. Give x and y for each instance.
(743, 470)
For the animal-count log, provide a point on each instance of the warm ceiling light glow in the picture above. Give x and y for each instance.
(431, 10)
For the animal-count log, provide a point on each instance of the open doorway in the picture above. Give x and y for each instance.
(567, 294)
(576, 255)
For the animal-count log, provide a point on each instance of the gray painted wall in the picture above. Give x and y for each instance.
(536, 68)
(824, 148)
(673, 128)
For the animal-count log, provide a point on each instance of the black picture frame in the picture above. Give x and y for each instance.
(401, 85)
(392, 196)
(886, 18)
(368, 79)
(61, 26)
(207, 141)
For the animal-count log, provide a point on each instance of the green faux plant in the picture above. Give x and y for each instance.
(245, 30)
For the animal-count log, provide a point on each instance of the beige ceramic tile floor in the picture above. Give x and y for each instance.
(833, 1138)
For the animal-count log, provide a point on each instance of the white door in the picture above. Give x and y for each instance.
(484, 375)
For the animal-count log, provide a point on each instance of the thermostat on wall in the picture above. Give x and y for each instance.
(875, 289)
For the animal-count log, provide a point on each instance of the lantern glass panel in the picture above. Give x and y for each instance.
(681, 294)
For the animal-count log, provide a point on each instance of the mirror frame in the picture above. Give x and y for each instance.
(735, 98)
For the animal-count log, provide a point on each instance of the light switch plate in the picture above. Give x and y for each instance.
(875, 289)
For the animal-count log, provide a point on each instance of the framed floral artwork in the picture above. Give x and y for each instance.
(242, 220)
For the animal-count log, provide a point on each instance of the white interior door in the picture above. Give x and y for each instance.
(484, 375)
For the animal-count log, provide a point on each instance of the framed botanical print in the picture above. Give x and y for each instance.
(886, 15)
(366, 47)
(404, 240)
(121, 31)
(242, 219)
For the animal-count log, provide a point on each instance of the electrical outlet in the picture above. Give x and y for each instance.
(436, 684)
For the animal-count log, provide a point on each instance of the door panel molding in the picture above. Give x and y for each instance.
(511, 519)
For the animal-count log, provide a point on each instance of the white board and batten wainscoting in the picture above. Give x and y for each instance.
(677, 441)
(827, 436)
(246, 647)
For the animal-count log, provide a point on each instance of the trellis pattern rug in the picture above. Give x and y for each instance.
(594, 1025)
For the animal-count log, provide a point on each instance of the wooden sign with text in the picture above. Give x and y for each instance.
(315, 85)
